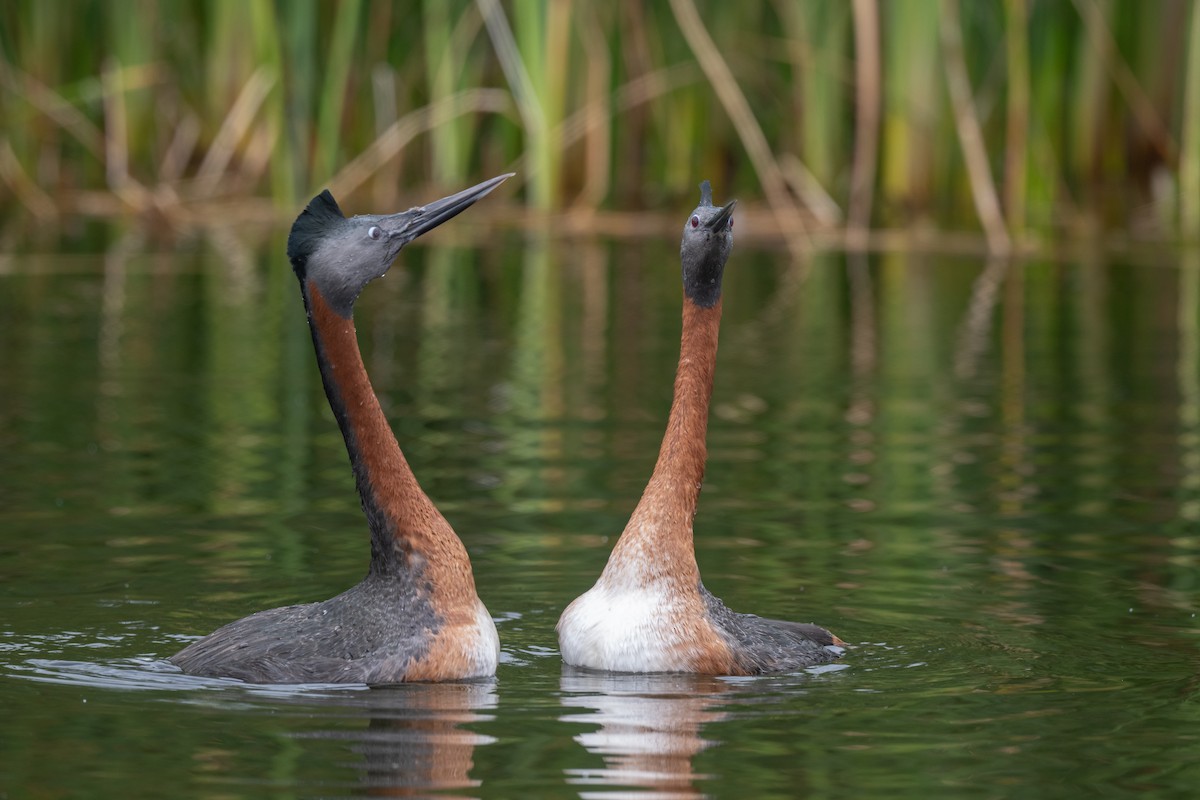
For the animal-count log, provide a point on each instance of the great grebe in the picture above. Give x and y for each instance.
(649, 611)
(415, 616)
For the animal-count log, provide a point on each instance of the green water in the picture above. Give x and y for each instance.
(985, 478)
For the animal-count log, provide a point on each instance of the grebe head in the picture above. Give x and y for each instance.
(342, 255)
(707, 241)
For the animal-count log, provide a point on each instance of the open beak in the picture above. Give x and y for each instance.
(416, 221)
(721, 221)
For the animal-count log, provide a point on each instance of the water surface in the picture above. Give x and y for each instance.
(985, 477)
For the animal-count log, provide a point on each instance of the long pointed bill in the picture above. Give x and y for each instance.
(721, 220)
(416, 221)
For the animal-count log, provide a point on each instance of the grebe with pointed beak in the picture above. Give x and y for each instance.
(649, 611)
(415, 616)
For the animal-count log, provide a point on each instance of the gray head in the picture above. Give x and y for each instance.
(707, 242)
(342, 255)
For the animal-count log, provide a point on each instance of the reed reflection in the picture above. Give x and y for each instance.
(650, 730)
(535, 390)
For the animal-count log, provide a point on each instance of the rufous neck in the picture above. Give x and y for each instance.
(404, 523)
(669, 502)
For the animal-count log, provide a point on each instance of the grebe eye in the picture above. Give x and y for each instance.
(695, 221)
(374, 232)
(731, 223)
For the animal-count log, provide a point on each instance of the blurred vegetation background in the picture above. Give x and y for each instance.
(1020, 119)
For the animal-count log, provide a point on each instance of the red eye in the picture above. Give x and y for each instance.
(695, 221)
(731, 223)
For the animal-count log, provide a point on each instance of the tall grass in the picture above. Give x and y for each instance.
(1189, 179)
(917, 128)
(449, 69)
(1084, 110)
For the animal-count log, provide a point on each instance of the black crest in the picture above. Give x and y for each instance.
(314, 223)
(705, 193)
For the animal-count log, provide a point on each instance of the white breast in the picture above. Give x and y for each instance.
(485, 646)
(625, 630)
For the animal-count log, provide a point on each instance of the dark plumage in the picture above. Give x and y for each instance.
(367, 634)
(314, 224)
(705, 247)
(761, 645)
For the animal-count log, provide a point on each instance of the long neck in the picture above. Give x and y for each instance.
(407, 530)
(660, 528)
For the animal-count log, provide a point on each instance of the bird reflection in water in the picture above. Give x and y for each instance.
(650, 729)
(415, 743)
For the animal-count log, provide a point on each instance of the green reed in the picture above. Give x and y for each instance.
(1189, 178)
(449, 68)
(1087, 108)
